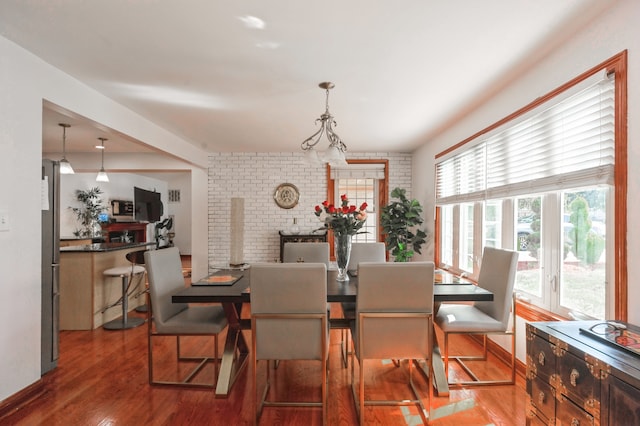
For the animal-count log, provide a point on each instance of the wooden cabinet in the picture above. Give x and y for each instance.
(125, 232)
(574, 379)
(319, 237)
(623, 402)
(86, 294)
(75, 242)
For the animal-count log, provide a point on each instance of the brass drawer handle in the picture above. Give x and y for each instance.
(575, 422)
(541, 358)
(573, 377)
(541, 398)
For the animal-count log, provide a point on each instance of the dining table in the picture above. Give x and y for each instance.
(231, 288)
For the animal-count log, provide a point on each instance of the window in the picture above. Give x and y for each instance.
(362, 181)
(583, 272)
(542, 182)
(361, 191)
(466, 237)
(528, 225)
(446, 221)
(492, 233)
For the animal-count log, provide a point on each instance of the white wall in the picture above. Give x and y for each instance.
(613, 32)
(119, 187)
(255, 176)
(25, 81)
(181, 211)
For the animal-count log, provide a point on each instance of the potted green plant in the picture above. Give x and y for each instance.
(400, 220)
(88, 213)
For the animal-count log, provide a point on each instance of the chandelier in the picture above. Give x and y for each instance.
(334, 155)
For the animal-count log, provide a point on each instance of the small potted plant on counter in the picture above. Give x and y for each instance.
(88, 213)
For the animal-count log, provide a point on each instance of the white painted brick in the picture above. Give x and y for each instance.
(255, 177)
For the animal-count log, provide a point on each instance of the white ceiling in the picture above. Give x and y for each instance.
(402, 69)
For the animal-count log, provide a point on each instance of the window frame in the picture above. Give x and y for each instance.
(618, 65)
(382, 196)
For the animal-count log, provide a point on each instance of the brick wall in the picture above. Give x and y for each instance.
(254, 177)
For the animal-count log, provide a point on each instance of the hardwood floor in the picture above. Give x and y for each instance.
(101, 379)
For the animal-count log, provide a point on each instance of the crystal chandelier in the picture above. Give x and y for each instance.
(334, 155)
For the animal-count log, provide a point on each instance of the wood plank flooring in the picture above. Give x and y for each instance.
(102, 380)
(102, 375)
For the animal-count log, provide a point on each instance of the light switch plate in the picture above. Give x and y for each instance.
(4, 220)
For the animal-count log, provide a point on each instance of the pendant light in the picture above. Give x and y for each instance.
(334, 155)
(65, 166)
(102, 175)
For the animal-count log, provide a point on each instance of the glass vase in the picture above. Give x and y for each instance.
(342, 248)
(295, 229)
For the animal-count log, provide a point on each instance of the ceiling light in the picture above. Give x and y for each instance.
(102, 175)
(65, 165)
(252, 22)
(334, 155)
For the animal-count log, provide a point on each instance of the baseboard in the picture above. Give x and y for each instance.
(22, 398)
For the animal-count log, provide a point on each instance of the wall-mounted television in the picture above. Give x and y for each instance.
(147, 205)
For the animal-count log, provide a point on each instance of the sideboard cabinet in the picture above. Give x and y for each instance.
(574, 379)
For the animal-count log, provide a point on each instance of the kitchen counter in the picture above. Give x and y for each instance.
(85, 293)
(102, 247)
(74, 241)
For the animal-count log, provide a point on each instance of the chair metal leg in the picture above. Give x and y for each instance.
(344, 347)
(360, 403)
(263, 401)
(187, 381)
(361, 395)
(475, 380)
(461, 358)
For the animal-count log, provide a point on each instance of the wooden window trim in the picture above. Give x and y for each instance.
(383, 193)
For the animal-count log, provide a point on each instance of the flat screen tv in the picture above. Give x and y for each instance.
(147, 205)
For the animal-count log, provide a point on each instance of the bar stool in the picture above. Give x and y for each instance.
(126, 273)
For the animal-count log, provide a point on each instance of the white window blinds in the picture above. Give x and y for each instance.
(358, 171)
(463, 176)
(562, 144)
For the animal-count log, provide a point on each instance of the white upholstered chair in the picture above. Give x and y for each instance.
(306, 252)
(394, 309)
(497, 274)
(360, 252)
(166, 318)
(289, 321)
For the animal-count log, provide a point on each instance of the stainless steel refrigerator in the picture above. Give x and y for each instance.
(50, 264)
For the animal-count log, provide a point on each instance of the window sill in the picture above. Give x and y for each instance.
(533, 313)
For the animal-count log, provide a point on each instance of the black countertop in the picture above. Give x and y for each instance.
(103, 247)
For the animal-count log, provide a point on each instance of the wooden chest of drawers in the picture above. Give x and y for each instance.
(576, 380)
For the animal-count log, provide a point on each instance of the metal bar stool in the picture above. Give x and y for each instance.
(126, 273)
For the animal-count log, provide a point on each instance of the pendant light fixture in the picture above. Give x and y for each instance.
(334, 155)
(102, 175)
(65, 166)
